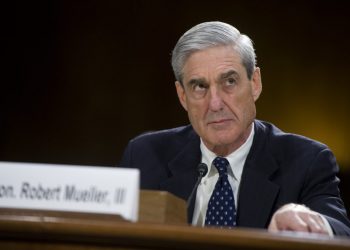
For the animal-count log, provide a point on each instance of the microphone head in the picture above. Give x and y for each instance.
(202, 169)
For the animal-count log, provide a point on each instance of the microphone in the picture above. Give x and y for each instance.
(202, 170)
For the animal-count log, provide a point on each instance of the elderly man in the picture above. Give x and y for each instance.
(257, 175)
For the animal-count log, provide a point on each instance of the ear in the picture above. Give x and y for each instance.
(256, 84)
(181, 94)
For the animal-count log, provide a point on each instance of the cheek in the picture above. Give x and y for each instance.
(196, 112)
(241, 104)
(247, 109)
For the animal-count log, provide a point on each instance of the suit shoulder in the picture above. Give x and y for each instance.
(289, 142)
(165, 136)
(158, 147)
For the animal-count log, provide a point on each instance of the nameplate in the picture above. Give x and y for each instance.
(70, 188)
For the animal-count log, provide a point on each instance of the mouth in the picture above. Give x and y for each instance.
(219, 122)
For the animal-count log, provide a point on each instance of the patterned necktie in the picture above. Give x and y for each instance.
(221, 211)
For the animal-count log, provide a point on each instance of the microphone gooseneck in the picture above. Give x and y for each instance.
(202, 170)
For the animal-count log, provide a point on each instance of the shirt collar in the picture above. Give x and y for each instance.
(236, 158)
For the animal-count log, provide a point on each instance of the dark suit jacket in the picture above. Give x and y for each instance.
(280, 168)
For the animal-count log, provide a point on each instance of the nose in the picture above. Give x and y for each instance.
(215, 99)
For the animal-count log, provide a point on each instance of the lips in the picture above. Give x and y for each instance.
(221, 121)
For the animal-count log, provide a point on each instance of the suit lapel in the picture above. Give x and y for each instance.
(183, 169)
(257, 193)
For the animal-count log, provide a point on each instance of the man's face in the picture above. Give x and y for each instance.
(219, 97)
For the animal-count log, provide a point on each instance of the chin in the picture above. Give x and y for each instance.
(222, 139)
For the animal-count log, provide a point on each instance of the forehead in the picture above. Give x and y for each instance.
(214, 60)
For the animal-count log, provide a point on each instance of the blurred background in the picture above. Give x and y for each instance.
(90, 75)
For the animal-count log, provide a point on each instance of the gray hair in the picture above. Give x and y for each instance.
(211, 34)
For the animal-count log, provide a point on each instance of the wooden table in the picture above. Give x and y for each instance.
(53, 231)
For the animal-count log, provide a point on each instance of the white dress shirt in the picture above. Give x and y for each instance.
(206, 187)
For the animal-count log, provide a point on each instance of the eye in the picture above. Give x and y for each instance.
(199, 87)
(230, 81)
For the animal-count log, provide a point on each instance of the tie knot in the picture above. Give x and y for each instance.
(221, 164)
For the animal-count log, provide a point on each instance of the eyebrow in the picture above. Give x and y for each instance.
(196, 81)
(228, 74)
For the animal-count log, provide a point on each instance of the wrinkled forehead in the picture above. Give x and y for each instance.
(211, 58)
